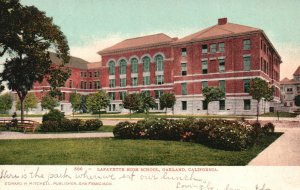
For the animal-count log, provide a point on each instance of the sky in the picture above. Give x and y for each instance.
(92, 25)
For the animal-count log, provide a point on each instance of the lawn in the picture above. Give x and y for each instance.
(280, 114)
(110, 151)
(156, 115)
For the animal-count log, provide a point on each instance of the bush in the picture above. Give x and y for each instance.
(268, 128)
(53, 115)
(70, 125)
(222, 134)
(92, 125)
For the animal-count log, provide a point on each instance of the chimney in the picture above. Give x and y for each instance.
(222, 21)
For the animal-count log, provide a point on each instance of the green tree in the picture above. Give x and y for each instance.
(48, 102)
(133, 102)
(148, 102)
(212, 94)
(97, 102)
(6, 102)
(27, 37)
(75, 100)
(167, 100)
(30, 102)
(260, 89)
(297, 100)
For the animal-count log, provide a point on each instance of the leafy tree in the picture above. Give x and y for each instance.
(98, 101)
(6, 102)
(167, 101)
(148, 102)
(30, 102)
(133, 102)
(48, 102)
(27, 37)
(75, 100)
(212, 94)
(260, 89)
(297, 100)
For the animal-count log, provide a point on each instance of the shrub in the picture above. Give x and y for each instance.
(50, 126)
(256, 129)
(70, 125)
(268, 128)
(92, 124)
(53, 115)
(222, 134)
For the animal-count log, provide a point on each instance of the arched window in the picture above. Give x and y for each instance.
(123, 67)
(159, 63)
(146, 64)
(134, 65)
(111, 67)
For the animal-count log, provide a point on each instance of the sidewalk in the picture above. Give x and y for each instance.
(285, 151)
(17, 135)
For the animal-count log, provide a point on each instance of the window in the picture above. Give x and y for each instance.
(70, 84)
(221, 65)
(81, 84)
(247, 104)
(97, 84)
(246, 44)
(61, 107)
(158, 93)
(221, 104)
(183, 105)
(122, 82)
(204, 84)
(146, 64)
(160, 79)
(134, 81)
(121, 106)
(221, 47)
(122, 67)
(204, 48)
(247, 85)
(96, 74)
(134, 65)
(84, 86)
(112, 83)
(247, 63)
(62, 96)
(81, 74)
(112, 95)
(183, 69)
(146, 80)
(122, 95)
(204, 67)
(84, 74)
(90, 74)
(213, 48)
(183, 89)
(289, 90)
(111, 68)
(183, 52)
(222, 85)
(159, 62)
(91, 85)
(204, 105)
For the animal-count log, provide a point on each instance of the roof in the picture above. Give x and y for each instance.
(74, 62)
(94, 65)
(297, 72)
(218, 30)
(143, 41)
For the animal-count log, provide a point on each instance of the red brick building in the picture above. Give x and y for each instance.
(225, 55)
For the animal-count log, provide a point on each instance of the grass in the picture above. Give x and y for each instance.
(110, 151)
(281, 114)
(155, 115)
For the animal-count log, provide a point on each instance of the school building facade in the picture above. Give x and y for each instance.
(226, 55)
